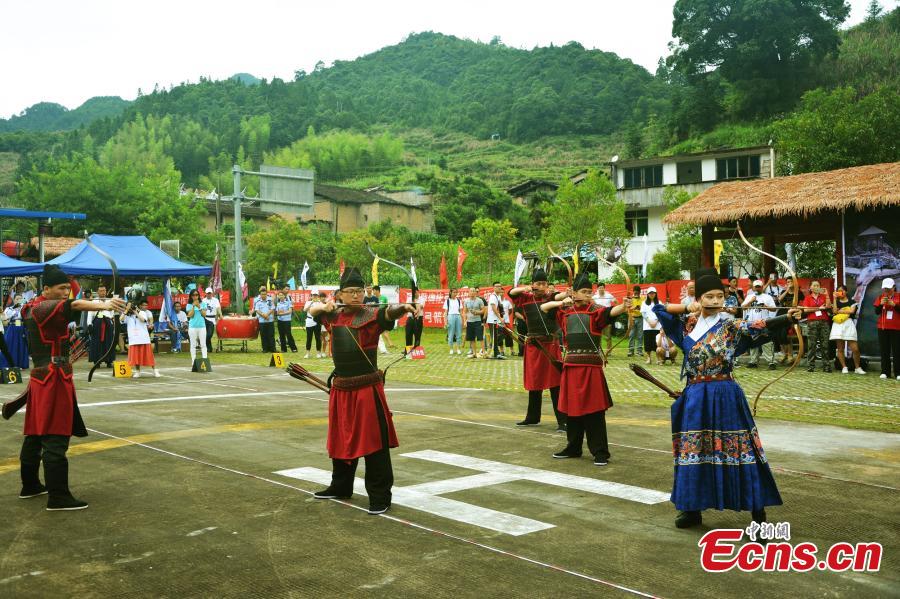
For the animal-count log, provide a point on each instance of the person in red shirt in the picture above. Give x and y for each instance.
(817, 307)
(542, 356)
(887, 307)
(584, 395)
(52, 415)
(359, 420)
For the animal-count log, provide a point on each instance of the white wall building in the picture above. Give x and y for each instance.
(640, 184)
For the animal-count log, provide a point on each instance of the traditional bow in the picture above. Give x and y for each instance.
(414, 287)
(794, 301)
(115, 276)
(571, 283)
(565, 263)
(625, 274)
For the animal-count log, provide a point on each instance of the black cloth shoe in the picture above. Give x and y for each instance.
(560, 428)
(759, 515)
(378, 508)
(688, 519)
(601, 461)
(751, 365)
(330, 493)
(772, 366)
(28, 492)
(526, 423)
(65, 503)
(565, 453)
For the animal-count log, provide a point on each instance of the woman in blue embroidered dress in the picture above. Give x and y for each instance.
(719, 460)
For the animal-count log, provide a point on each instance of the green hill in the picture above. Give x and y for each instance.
(48, 116)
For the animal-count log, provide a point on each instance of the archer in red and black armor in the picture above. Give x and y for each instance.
(543, 361)
(52, 415)
(359, 420)
(584, 395)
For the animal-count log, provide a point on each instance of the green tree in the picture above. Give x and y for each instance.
(284, 242)
(118, 201)
(766, 50)
(683, 244)
(491, 241)
(837, 129)
(665, 266)
(587, 213)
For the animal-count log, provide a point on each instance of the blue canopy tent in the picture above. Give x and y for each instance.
(10, 267)
(135, 256)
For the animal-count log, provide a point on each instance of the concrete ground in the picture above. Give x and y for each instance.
(200, 485)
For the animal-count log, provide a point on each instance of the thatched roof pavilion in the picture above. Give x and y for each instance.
(859, 188)
(806, 207)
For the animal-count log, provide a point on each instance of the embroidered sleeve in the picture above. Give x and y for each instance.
(671, 324)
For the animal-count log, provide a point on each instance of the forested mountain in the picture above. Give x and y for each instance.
(48, 116)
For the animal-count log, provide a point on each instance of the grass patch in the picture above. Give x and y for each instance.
(851, 401)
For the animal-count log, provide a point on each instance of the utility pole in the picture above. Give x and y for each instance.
(237, 196)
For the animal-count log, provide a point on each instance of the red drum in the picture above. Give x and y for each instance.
(237, 327)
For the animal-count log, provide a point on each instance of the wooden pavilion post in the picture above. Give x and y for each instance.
(707, 247)
(768, 263)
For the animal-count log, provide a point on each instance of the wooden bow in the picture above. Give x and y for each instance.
(599, 254)
(794, 301)
(115, 275)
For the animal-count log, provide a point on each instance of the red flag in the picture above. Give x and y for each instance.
(341, 268)
(461, 256)
(445, 282)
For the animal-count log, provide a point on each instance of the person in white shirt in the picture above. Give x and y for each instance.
(495, 319)
(212, 311)
(103, 331)
(177, 327)
(138, 324)
(773, 288)
(759, 305)
(651, 323)
(313, 327)
(453, 322)
(510, 321)
(665, 349)
(606, 299)
(689, 298)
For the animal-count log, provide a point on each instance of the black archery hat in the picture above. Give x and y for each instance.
(53, 275)
(582, 281)
(352, 278)
(539, 274)
(707, 280)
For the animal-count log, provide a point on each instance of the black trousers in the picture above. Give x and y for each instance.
(267, 336)
(534, 407)
(414, 331)
(285, 336)
(592, 425)
(522, 329)
(316, 332)
(210, 329)
(889, 342)
(379, 472)
(50, 449)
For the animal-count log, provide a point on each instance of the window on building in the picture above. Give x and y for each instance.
(644, 176)
(737, 167)
(636, 222)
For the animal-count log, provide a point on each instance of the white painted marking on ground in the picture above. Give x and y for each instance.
(567, 481)
(433, 504)
(136, 558)
(21, 576)
(98, 404)
(202, 531)
(382, 583)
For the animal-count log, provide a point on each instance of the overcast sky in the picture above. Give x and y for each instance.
(67, 51)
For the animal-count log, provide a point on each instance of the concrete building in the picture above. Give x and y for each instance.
(640, 184)
(342, 208)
